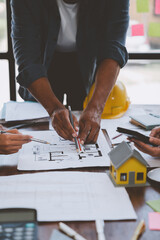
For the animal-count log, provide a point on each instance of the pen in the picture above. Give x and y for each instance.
(100, 229)
(75, 139)
(117, 136)
(139, 230)
(70, 232)
(32, 139)
(39, 140)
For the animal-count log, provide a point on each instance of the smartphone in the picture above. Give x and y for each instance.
(136, 135)
(18, 223)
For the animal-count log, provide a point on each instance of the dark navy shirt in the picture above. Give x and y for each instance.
(101, 34)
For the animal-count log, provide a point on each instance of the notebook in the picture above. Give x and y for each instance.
(147, 121)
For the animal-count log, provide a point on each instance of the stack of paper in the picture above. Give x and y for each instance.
(67, 196)
(20, 111)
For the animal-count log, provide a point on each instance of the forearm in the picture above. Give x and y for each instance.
(42, 91)
(106, 77)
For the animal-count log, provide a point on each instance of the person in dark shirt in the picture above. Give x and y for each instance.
(64, 46)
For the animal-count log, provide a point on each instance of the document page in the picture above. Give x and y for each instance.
(18, 111)
(61, 154)
(67, 196)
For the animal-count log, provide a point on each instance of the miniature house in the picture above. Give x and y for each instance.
(128, 167)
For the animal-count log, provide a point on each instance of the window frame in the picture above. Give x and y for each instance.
(123, 177)
(9, 55)
(139, 176)
(11, 62)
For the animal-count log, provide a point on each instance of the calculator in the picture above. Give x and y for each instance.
(18, 224)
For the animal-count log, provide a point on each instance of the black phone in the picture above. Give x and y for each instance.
(136, 135)
(18, 223)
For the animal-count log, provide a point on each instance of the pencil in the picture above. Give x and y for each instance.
(75, 139)
(32, 139)
(39, 140)
(139, 230)
(117, 136)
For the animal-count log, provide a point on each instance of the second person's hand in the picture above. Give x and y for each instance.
(12, 141)
(146, 148)
(61, 123)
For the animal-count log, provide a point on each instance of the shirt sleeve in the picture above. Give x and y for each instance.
(113, 35)
(26, 40)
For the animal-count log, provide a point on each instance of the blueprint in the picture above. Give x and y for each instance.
(61, 154)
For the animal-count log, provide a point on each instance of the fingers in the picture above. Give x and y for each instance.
(62, 125)
(153, 151)
(10, 149)
(93, 134)
(18, 139)
(14, 131)
(2, 128)
(88, 132)
(155, 132)
(62, 133)
(84, 131)
(75, 123)
(154, 140)
(12, 143)
(7, 141)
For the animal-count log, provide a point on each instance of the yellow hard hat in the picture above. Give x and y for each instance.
(116, 104)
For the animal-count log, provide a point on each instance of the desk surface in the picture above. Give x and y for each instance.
(115, 230)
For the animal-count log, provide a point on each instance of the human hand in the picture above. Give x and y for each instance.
(2, 128)
(62, 124)
(89, 126)
(155, 132)
(153, 151)
(12, 143)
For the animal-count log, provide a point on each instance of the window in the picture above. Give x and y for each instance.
(7, 65)
(140, 176)
(144, 28)
(123, 177)
(141, 78)
(115, 174)
(141, 74)
(4, 89)
(3, 27)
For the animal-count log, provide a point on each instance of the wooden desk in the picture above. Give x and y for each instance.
(115, 230)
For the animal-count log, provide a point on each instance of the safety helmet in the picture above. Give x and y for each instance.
(116, 104)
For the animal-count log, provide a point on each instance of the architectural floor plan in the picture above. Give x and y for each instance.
(60, 153)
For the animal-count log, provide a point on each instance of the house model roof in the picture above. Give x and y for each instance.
(122, 153)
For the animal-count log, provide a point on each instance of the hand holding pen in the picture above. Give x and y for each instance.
(62, 124)
(11, 141)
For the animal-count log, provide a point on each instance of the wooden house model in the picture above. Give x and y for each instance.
(128, 167)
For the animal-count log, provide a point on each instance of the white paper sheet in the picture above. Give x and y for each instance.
(9, 160)
(61, 154)
(67, 196)
(17, 111)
